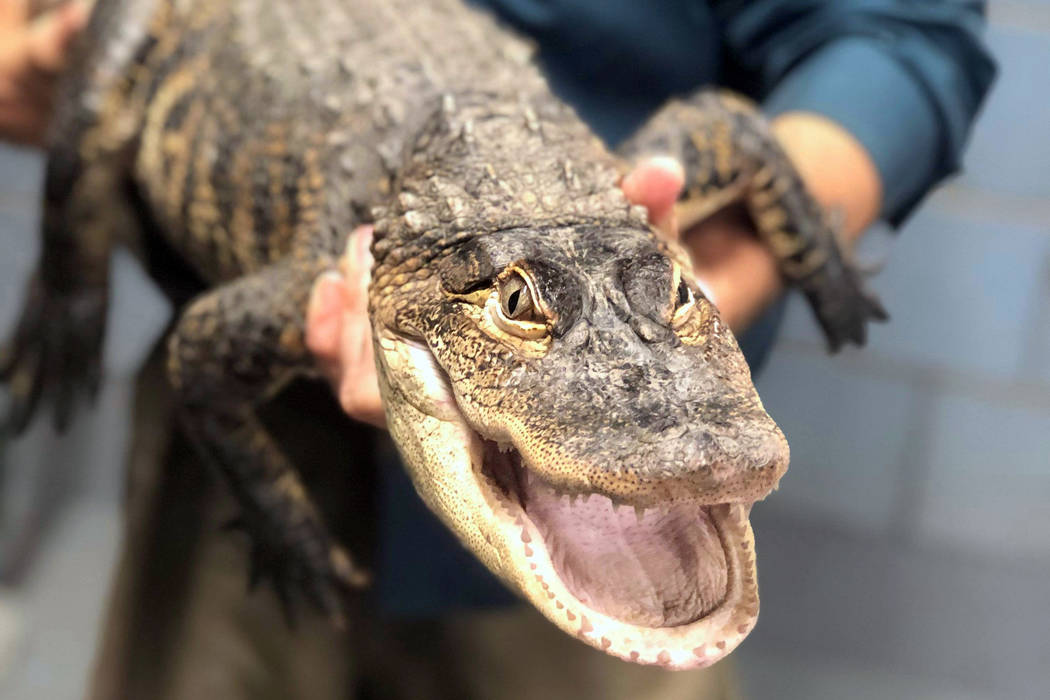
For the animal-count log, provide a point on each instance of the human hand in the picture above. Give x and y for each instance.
(33, 52)
(338, 331)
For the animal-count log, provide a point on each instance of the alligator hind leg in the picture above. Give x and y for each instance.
(231, 350)
(56, 348)
(57, 345)
(730, 155)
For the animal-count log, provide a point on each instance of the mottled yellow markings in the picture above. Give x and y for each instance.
(770, 219)
(762, 177)
(162, 16)
(736, 103)
(291, 340)
(313, 163)
(127, 93)
(167, 41)
(700, 140)
(309, 184)
(204, 13)
(242, 223)
(208, 325)
(767, 189)
(174, 88)
(111, 131)
(276, 151)
(783, 244)
(813, 260)
(762, 199)
(177, 158)
(701, 204)
(722, 148)
(206, 218)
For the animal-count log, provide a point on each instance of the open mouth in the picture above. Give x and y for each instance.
(673, 584)
(644, 580)
(653, 567)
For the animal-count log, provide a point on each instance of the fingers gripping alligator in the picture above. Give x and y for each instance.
(564, 397)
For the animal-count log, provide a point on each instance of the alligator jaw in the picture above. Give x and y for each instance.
(459, 474)
(545, 579)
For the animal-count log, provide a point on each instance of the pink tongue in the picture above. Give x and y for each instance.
(666, 569)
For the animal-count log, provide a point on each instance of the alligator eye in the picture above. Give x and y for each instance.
(513, 309)
(515, 299)
(686, 305)
(685, 294)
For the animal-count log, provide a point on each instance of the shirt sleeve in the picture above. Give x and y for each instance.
(905, 78)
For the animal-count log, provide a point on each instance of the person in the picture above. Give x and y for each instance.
(33, 51)
(872, 101)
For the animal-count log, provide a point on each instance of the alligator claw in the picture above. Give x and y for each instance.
(56, 351)
(310, 569)
(843, 310)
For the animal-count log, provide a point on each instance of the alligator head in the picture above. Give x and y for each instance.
(564, 396)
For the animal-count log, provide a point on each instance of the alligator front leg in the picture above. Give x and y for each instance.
(730, 155)
(232, 349)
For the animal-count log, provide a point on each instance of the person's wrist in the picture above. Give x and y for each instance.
(837, 170)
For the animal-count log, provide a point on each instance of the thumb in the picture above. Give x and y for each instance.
(656, 183)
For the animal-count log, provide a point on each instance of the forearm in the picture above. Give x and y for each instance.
(738, 270)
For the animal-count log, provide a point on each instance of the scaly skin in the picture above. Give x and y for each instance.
(563, 396)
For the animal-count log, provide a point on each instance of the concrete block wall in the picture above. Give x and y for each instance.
(60, 520)
(909, 545)
(907, 553)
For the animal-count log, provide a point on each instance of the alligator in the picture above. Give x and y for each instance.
(562, 393)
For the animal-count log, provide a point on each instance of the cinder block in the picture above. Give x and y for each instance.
(21, 175)
(19, 245)
(974, 621)
(138, 314)
(988, 490)
(767, 676)
(847, 434)
(1007, 152)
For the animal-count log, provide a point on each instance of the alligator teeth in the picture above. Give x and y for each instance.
(639, 512)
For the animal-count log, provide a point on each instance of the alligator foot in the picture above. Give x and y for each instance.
(56, 349)
(730, 155)
(232, 348)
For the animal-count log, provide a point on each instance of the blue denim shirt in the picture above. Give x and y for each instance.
(905, 78)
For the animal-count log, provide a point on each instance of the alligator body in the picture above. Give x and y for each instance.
(563, 396)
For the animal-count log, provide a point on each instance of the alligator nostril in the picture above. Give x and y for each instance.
(630, 378)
